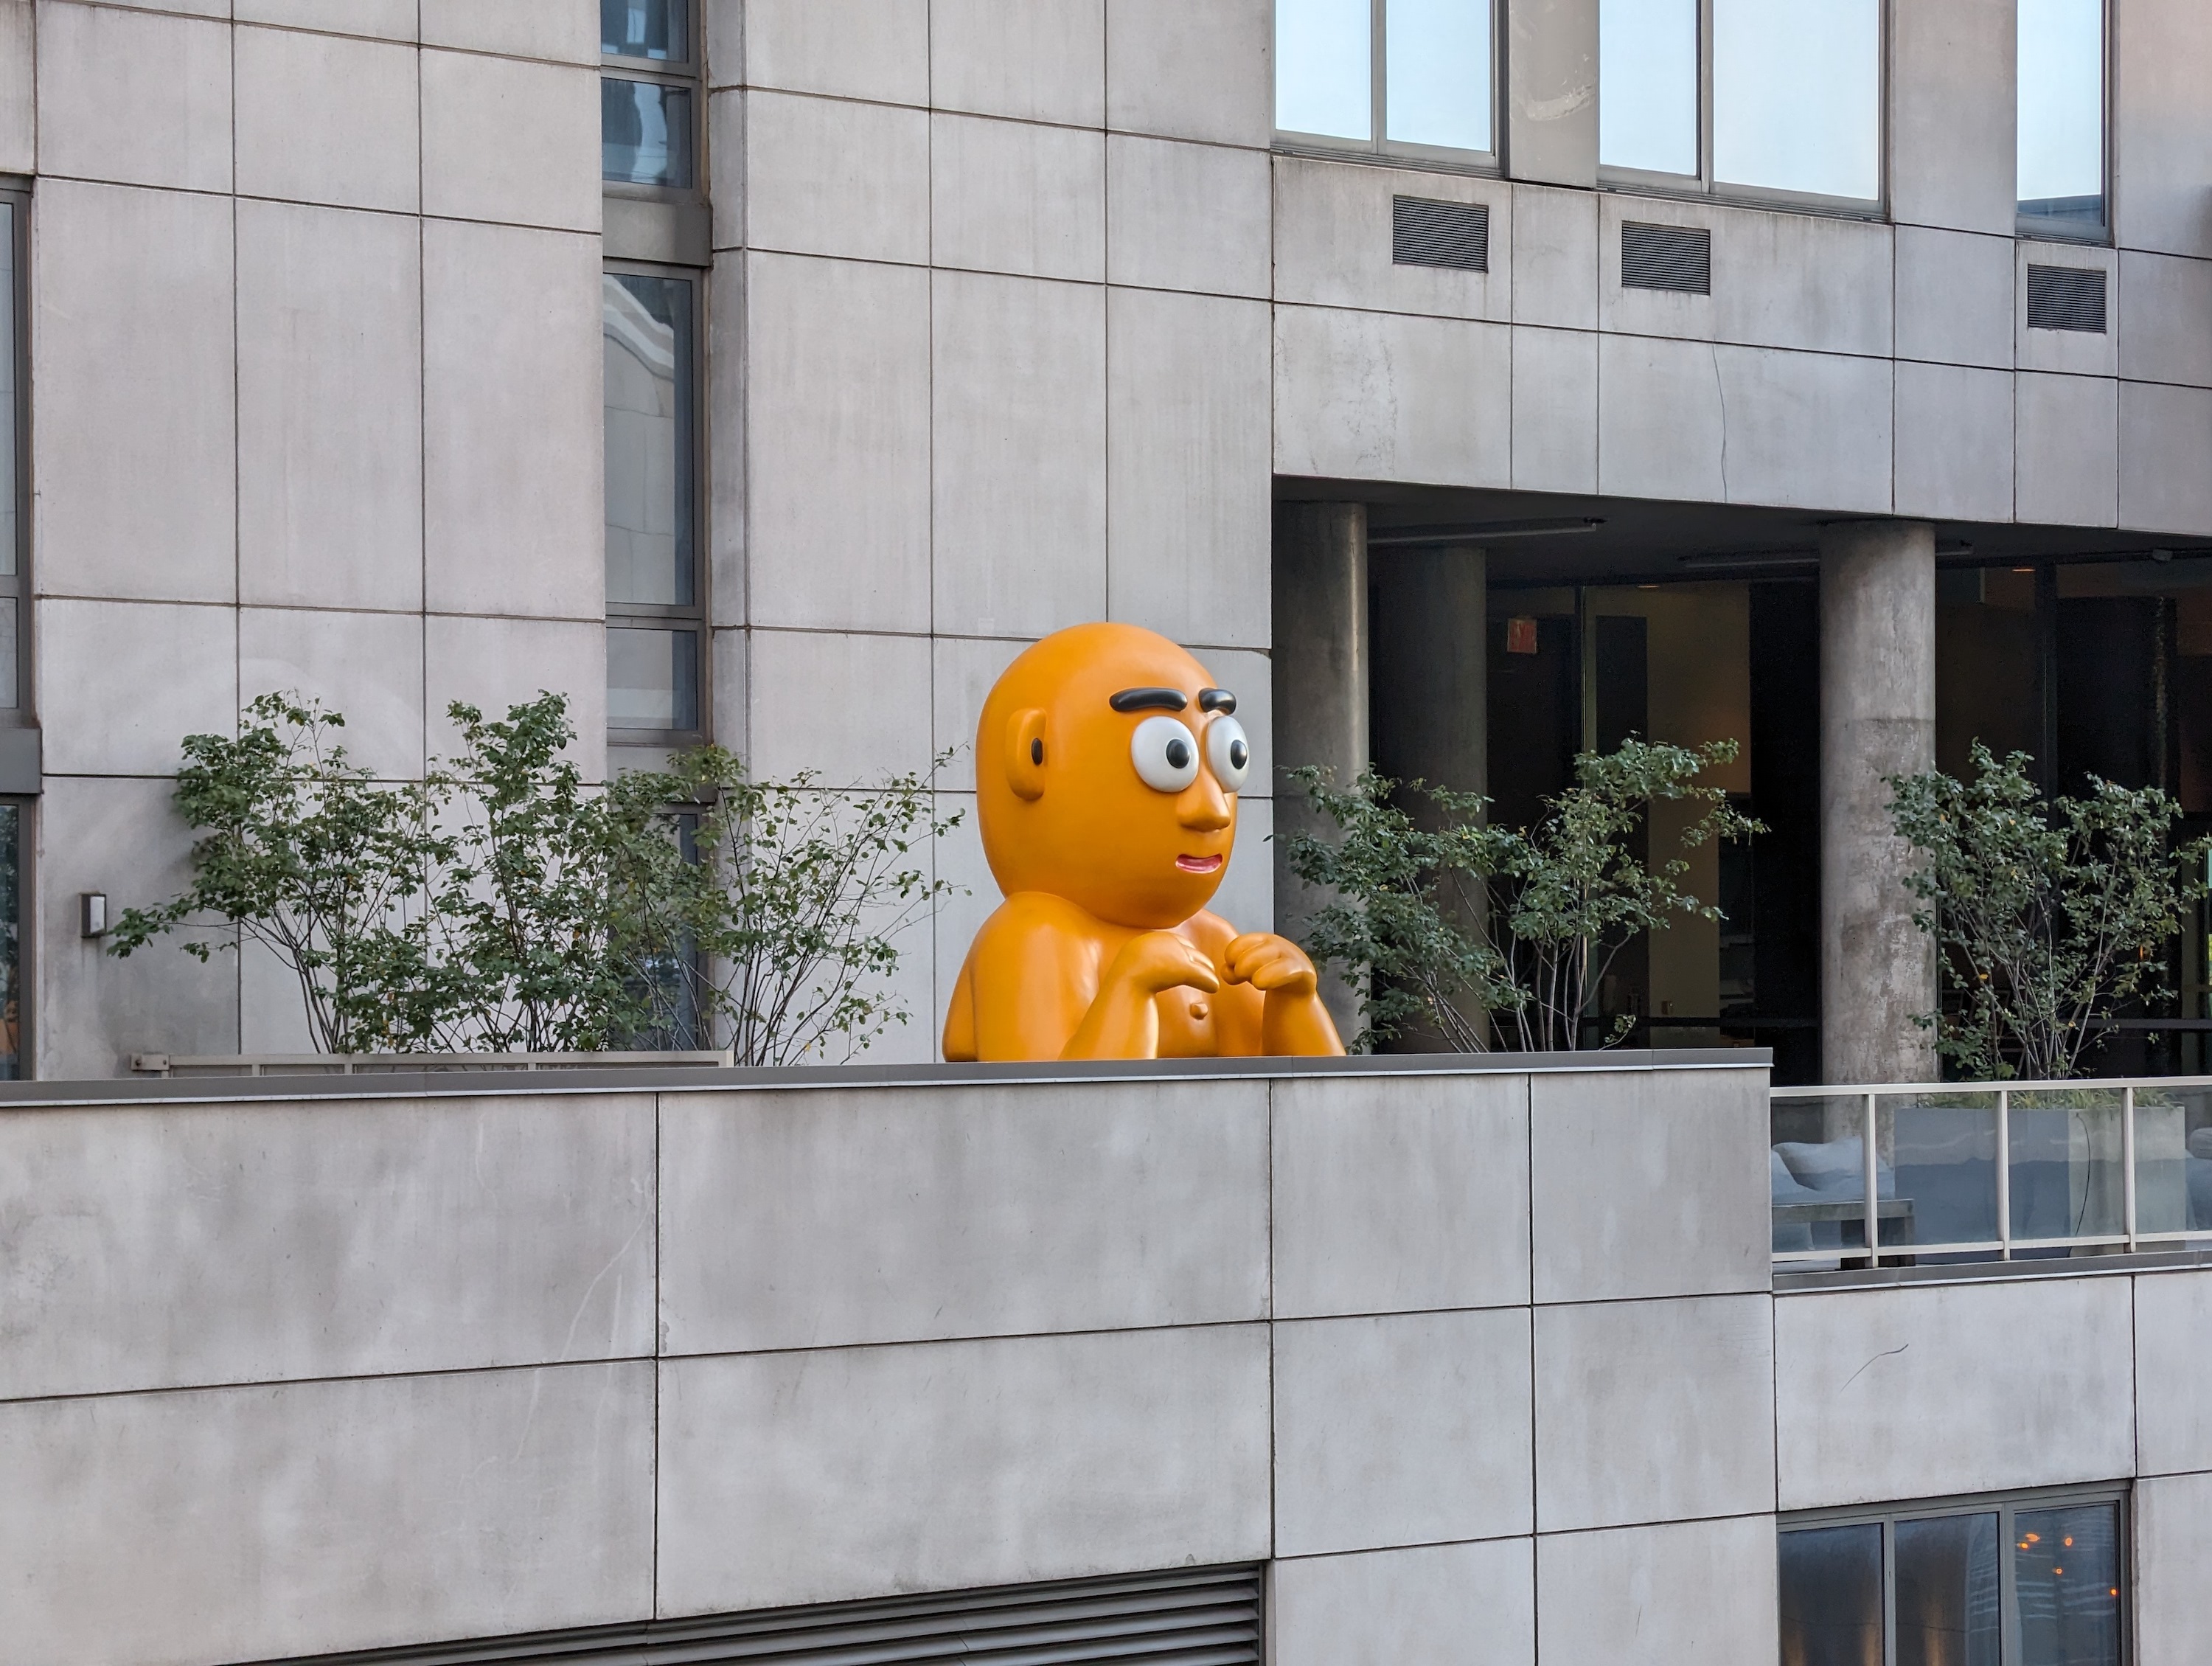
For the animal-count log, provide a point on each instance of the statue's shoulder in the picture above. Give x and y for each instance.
(1034, 913)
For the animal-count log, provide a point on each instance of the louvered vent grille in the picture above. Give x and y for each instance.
(1193, 1617)
(1676, 258)
(2066, 298)
(1431, 233)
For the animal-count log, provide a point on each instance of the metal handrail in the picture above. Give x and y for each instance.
(1871, 1096)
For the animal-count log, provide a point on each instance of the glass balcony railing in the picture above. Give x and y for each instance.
(1922, 1175)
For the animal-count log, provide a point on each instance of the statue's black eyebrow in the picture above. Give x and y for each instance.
(1145, 700)
(1215, 700)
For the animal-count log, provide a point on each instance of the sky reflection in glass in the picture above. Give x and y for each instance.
(1647, 85)
(1436, 56)
(1324, 68)
(2062, 100)
(1797, 96)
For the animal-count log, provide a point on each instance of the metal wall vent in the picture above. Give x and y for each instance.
(1676, 258)
(1192, 1617)
(2066, 298)
(1423, 233)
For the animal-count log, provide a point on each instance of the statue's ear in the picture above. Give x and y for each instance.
(1025, 753)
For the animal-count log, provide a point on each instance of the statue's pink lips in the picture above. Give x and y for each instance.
(1198, 864)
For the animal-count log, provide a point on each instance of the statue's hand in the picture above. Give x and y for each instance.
(1161, 960)
(1271, 965)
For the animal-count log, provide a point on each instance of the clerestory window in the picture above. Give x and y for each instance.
(2062, 118)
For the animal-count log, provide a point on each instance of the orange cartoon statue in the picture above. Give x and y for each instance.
(1107, 770)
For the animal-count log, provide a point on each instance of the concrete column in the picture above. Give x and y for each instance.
(1321, 675)
(1877, 718)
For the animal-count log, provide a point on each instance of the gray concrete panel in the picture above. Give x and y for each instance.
(367, 665)
(325, 119)
(1333, 241)
(1659, 418)
(19, 109)
(831, 176)
(2027, 1384)
(120, 684)
(1018, 430)
(861, 49)
(1409, 1429)
(1954, 298)
(253, 1523)
(1192, 72)
(837, 436)
(493, 664)
(1954, 439)
(512, 140)
(2174, 1362)
(2068, 448)
(1649, 1184)
(814, 1219)
(181, 1246)
(1189, 509)
(1951, 100)
(854, 1472)
(119, 837)
(2070, 352)
(1551, 91)
(1654, 1411)
(1555, 264)
(522, 28)
(1018, 197)
(1399, 1200)
(133, 98)
(1554, 409)
(728, 495)
(963, 670)
(382, 20)
(1685, 1594)
(1039, 60)
(2161, 145)
(2166, 435)
(330, 410)
(136, 496)
(852, 743)
(1440, 1605)
(1372, 395)
(2173, 1548)
(515, 513)
(2166, 301)
(1877, 720)
(1808, 429)
(1188, 216)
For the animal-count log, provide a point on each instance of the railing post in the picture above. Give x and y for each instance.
(2004, 1174)
(1873, 1192)
(2127, 1162)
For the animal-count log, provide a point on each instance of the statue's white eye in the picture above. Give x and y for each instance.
(1227, 751)
(1165, 754)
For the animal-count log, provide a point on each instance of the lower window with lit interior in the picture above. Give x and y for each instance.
(2012, 1579)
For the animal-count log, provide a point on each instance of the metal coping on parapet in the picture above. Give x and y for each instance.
(479, 1084)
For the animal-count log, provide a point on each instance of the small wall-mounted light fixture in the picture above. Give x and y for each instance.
(92, 913)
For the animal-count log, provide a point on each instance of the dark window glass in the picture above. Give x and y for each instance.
(11, 941)
(653, 678)
(659, 29)
(2066, 1569)
(651, 440)
(1949, 1591)
(645, 133)
(8, 480)
(1830, 1579)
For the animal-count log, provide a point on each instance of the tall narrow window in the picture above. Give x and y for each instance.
(1412, 77)
(655, 623)
(1797, 96)
(647, 93)
(2062, 118)
(1648, 78)
(12, 521)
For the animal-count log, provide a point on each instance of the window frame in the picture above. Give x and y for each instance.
(1705, 186)
(16, 195)
(2005, 1504)
(699, 615)
(689, 76)
(1378, 146)
(2037, 230)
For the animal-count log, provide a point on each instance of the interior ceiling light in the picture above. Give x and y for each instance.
(1482, 532)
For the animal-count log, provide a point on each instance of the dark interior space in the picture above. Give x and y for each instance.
(1785, 794)
(1535, 715)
